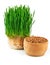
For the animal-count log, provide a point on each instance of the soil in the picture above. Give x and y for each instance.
(16, 42)
(36, 39)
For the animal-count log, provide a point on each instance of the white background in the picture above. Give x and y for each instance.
(41, 27)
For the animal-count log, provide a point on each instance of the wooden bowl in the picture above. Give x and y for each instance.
(35, 46)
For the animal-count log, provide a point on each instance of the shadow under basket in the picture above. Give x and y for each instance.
(16, 42)
(35, 46)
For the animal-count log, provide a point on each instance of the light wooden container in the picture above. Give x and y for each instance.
(35, 46)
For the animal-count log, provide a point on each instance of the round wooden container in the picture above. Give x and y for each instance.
(35, 46)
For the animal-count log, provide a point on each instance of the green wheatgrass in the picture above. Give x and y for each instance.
(18, 21)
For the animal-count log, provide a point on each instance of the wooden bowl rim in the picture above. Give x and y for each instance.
(45, 39)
